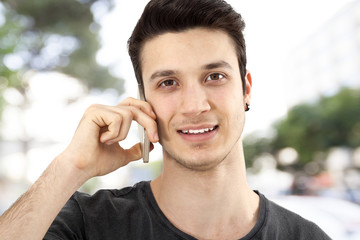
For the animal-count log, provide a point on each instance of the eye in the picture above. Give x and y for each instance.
(215, 77)
(168, 83)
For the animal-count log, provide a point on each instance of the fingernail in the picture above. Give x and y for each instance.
(156, 137)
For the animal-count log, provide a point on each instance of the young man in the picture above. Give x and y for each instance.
(189, 56)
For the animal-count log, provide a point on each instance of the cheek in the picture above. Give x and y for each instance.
(164, 110)
(229, 103)
(229, 98)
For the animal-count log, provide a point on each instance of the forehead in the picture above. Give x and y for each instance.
(187, 50)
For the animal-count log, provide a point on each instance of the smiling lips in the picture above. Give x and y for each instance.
(197, 131)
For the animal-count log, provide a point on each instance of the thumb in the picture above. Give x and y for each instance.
(133, 153)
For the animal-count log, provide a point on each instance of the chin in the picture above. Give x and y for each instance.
(199, 161)
(204, 166)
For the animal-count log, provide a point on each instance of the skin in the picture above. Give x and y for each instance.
(202, 189)
(93, 151)
(196, 95)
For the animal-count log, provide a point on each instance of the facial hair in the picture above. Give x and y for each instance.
(195, 162)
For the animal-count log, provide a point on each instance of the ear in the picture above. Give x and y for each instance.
(248, 83)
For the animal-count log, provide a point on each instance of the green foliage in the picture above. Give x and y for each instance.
(62, 17)
(302, 130)
(314, 128)
(341, 115)
(9, 32)
(52, 35)
(9, 37)
(254, 145)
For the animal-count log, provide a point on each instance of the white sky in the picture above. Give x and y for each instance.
(273, 28)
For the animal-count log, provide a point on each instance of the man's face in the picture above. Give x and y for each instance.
(192, 80)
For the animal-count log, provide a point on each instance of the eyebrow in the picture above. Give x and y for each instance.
(167, 73)
(219, 64)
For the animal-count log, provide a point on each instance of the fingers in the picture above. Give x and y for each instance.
(109, 124)
(118, 124)
(134, 153)
(117, 120)
(142, 113)
(148, 123)
(143, 106)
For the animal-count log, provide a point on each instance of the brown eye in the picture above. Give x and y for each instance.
(214, 77)
(168, 83)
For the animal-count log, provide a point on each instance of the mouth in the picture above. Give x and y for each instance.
(198, 131)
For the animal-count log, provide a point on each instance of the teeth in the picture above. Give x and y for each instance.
(197, 131)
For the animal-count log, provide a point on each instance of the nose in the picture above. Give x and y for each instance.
(194, 100)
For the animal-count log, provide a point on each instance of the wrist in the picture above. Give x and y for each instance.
(71, 173)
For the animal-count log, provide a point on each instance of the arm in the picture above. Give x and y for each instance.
(31, 215)
(93, 151)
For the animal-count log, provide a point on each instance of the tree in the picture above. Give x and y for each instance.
(51, 35)
(332, 121)
(312, 128)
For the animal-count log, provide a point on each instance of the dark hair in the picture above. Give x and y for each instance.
(161, 16)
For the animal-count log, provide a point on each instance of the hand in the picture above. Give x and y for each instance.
(94, 149)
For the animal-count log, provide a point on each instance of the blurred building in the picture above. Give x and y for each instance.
(327, 59)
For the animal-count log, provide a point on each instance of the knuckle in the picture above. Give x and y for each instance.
(93, 108)
(121, 137)
(112, 134)
(117, 120)
(127, 101)
(128, 114)
(145, 107)
(133, 110)
(89, 111)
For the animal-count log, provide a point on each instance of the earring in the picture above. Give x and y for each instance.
(247, 107)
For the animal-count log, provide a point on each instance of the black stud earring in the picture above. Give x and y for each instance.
(247, 107)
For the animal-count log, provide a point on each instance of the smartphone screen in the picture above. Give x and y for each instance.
(145, 143)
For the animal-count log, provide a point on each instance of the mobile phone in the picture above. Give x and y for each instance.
(145, 143)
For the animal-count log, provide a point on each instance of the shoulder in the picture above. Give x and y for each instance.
(282, 223)
(111, 198)
(103, 215)
(106, 194)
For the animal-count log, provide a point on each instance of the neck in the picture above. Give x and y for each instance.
(212, 204)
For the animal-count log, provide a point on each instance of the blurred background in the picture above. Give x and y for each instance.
(302, 134)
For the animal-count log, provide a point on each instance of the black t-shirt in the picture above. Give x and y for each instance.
(132, 213)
